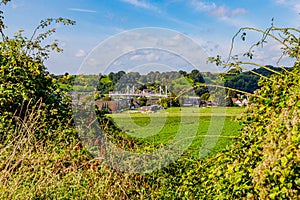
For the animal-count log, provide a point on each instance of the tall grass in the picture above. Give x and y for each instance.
(36, 168)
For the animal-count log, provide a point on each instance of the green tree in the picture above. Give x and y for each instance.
(24, 79)
(170, 101)
(196, 76)
(143, 101)
(205, 96)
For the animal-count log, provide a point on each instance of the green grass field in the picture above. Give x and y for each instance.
(203, 130)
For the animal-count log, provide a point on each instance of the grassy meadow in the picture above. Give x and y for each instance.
(218, 126)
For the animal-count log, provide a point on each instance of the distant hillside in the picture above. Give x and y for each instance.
(247, 81)
(176, 81)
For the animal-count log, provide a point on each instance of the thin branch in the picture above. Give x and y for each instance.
(259, 65)
(253, 72)
(281, 67)
(4, 38)
(265, 35)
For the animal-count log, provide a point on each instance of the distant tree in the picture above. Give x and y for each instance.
(196, 76)
(106, 98)
(247, 81)
(143, 101)
(105, 84)
(183, 73)
(205, 96)
(170, 101)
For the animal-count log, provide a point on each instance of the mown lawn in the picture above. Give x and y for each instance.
(216, 126)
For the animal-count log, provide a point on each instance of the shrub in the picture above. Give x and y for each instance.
(265, 161)
(24, 80)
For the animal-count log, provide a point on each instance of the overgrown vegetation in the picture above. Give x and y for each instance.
(41, 156)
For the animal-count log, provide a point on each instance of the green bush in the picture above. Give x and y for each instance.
(168, 102)
(265, 162)
(25, 82)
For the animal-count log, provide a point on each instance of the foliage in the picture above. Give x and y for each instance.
(262, 163)
(143, 101)
(24, 80)
(175, 80)
(235, 82)
(105, 84)
(39, 168)
(247, 81)
(169, 101)
(106, 98)
(196, 76)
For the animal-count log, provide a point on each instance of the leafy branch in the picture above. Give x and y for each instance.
(35, 41)
(287, 37)
(33, 46)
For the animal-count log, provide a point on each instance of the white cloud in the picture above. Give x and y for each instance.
(238, 11)
(202, 6)
(80, 53)
(92, 62)
(223, 11)
(82, 10)
(135, 57)
(148, 56)
(294, 4)
(152, 57)
(229, 16)
(219, 12)
(141, 4)
(126, 48)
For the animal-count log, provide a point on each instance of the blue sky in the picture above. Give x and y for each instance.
(210, 23)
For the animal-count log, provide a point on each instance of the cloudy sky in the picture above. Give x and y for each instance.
(209, 23)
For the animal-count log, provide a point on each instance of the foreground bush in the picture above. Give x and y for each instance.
(264, 163)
